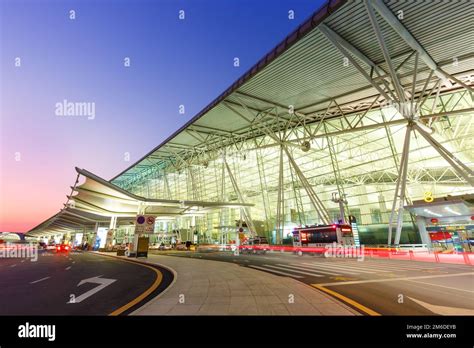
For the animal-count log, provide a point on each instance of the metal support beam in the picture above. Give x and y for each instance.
(335, 40)
(460, 168)
(378, 33)
(317, 203)
(280, 216)
(245, 211)
(392, 20)
(400, 189)
(337, 176)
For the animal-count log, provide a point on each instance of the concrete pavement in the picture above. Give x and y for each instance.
(204, 287)
(372, 286)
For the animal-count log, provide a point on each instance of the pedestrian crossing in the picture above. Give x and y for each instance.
(320, 269)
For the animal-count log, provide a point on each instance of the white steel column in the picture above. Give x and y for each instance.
(318, 205)
(425, 238)
(245, 212)
(400, 190)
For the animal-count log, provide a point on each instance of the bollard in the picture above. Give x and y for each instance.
(436, 256)
(467, 260)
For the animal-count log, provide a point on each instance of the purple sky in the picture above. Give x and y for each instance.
(173, 62)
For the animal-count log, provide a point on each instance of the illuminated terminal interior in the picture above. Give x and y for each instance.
(356, 108)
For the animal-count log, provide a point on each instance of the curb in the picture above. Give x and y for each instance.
(175, 277)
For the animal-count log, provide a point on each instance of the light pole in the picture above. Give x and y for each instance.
(341, 201)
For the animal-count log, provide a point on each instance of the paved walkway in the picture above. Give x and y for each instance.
(204, 287)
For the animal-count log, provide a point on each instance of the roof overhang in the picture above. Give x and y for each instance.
(306, 71)
(96, 200)
(447, 209)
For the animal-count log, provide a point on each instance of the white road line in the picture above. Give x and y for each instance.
(291, 270)
(402, 265)
(382, 268)
(13, 265)
(343, 271)
(441, 291)
(73, 262)
(39, 280)
(22, 261)
(376, 267)
(308, 269)
(275, 271)
(67, 268)
(442, 286)
(396, 279)
(443, 310)
(391, 266)
(340, 268)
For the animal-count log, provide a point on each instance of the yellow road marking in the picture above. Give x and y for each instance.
(342, 278)
(156, 283)
(347, 300)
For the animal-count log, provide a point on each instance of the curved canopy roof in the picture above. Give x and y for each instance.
(96, 200)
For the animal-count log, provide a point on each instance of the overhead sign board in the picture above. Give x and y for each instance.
(144, 224)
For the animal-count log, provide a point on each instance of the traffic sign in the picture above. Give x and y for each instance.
(144, 224)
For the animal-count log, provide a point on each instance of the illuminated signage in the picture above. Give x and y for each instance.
(428, 197)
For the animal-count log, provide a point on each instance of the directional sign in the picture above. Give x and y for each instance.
(104, 282)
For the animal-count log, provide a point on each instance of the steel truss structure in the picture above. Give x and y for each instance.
(370, 99)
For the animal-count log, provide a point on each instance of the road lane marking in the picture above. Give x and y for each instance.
(396, 279)
(391, 267)
(73, 262)
(294, 270)
(13, 265)
(441, 291)
(275, 271)
(103, 283)
(441, 286)
(344, 271)
(443, 310)
(347, 300)
(39, 280)
(366, 267)
(343, 266)
(340, 268)
(22, 261)
(307, 268)
(67, 268)
(153, 287)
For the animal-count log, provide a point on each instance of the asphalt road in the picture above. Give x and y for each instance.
(371, 286)
(46, 287)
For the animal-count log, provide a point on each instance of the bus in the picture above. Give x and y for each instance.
(313, 237)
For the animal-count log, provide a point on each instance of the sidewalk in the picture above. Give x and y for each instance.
(204, 287)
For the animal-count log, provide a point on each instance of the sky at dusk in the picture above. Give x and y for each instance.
(172, 62)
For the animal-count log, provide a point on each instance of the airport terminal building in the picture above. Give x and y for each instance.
(363, 114)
